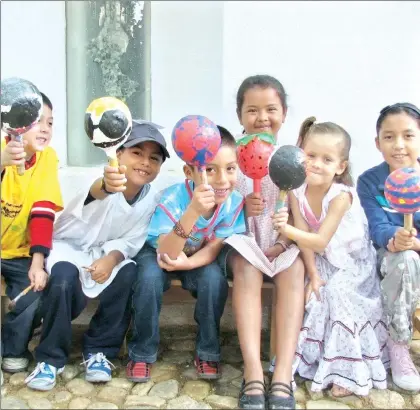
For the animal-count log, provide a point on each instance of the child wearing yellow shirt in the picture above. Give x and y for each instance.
(28, 206)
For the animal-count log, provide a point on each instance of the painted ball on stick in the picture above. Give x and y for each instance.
(287, 170)
(196, 140)
(287, 167)
(21, 105)
(402, 190)
(254, 153)
(108, 124)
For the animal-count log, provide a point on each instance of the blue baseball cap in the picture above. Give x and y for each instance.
(146, 131)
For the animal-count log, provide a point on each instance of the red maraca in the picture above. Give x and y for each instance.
(196, 140)
(287, 170)
(402, 191)
(254, 153)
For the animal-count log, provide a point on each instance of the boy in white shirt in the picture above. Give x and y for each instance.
(94, 239)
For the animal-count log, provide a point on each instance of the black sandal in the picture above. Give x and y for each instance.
(252, 401)
(278, 402)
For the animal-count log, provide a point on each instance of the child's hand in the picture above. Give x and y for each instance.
(38, 278)
(314, 286)
(404, 240)
(254, 204)
(280, 219)
(13, 154)
(101, 269)
(203, 200)
(114, 178)
(273, 251)
(182, 262)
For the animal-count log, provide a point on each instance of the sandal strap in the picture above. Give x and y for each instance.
(248, 386)
(282, 388)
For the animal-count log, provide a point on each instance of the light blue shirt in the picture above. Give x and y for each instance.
(228, 218)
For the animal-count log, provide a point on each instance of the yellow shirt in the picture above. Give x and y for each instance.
(19, 193)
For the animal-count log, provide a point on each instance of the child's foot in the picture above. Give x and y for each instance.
(14, 364)
(138, 372)
(338, 391)
(280, 396)
(206, 369)
(252, 401)
(43, 377)
(404, 373)
(98, 369)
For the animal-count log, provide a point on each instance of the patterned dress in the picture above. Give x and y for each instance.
(343, 338)
(260, 233)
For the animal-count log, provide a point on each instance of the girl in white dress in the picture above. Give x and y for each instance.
(343, 338)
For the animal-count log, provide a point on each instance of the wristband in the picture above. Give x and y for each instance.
(103, 188)
(179, 231)
(282, 243)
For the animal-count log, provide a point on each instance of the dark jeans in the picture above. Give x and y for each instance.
(18, 326)
(207, 284)
(64, 300)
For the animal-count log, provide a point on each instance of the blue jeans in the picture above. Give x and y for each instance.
(64, 300)
(18, 326)
(207, 284)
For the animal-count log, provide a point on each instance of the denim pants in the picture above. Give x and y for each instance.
(18, 326)
(207, 284)
(64, 300)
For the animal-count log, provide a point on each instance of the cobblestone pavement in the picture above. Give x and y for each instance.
(174, 384)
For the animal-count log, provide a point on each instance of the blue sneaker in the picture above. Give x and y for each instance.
(98, 368)
(43, 377)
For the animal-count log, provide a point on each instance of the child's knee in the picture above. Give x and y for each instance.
(64, 274)
(245, 273)
(212, 276)
(127, 274)
(150, 276)
(402, 262)
(294, 275)
(410, 256)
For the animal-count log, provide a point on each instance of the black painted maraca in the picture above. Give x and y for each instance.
(21, 108)
(287, 170)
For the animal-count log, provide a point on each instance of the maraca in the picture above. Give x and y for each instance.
(196, 141)
(287, 170)
(402, 191)
(254, 153)
(108, 124)
(21, 109)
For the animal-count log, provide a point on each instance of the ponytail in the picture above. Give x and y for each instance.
(304, 130)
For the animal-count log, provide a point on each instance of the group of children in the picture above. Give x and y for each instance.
(348, 273)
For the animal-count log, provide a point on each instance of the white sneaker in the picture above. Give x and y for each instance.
(14, 364)
(44, 377)
(404, 373)
(98, 368)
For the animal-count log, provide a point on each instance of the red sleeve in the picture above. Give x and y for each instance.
(41, 222)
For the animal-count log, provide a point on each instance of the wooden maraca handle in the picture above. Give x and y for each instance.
(203, 173)
(281, 200)
(113, 162)
(20, 168)
(408, 222)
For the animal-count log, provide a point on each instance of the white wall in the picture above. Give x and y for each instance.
(33, 47)
(187, 66)
(339, 61)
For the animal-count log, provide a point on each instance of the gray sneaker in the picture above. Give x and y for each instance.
(14, 364)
